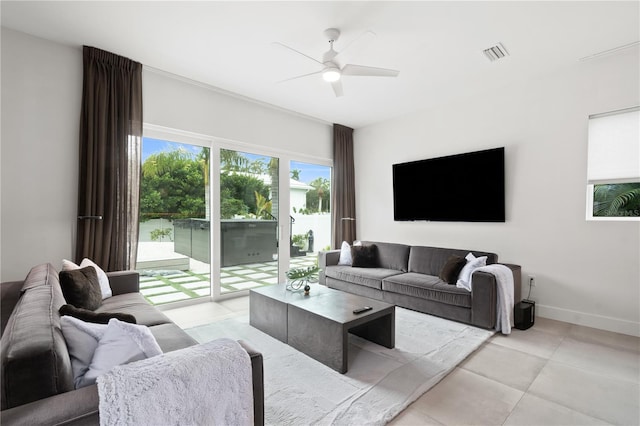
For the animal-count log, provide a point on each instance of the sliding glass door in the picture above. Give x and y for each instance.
(217, 221)
(248, 229)
(174, 249)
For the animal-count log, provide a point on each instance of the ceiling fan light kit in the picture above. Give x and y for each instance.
(332, 72)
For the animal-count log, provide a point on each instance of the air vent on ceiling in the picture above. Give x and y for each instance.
(495, 52)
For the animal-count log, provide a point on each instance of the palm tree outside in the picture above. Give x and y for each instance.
(616, 200)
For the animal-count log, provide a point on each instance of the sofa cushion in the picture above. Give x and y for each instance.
(81, 287)
(430, 260)
(369, 277)
(365, 256)
(33, 337)
(392, 255)
(136, 305)
(170, 337)
(427, 287)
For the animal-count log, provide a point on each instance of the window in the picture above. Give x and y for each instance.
(613, 169)
(620, 200)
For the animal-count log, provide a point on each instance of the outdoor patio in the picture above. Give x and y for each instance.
(160, 286)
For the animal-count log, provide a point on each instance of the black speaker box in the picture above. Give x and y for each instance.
(524, 314)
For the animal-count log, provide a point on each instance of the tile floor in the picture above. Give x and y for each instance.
(552, 374)
(165, 286)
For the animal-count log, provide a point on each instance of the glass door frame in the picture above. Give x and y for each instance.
(181, 137)
(215, 144)
(283, 209)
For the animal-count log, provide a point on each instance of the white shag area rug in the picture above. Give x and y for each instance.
(380, 383)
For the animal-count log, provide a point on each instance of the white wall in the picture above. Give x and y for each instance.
(182, 105)
(41, 95)
(587, 272)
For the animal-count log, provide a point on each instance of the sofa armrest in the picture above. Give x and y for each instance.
(485, 293)
(257, 374)
(517, 281)
(483, 300)
(122, 282)
(77, 407)
(80, 406)
(326, 258)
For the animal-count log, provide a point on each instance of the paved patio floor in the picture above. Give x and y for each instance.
(161, 286)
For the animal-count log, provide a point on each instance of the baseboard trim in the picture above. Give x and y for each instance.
(601, 322)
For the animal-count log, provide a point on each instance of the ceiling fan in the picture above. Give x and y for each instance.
(331, 70)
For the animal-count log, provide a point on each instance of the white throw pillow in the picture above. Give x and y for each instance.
(473, 263)
(82, 339)
(105, 288)
(345, 253)
(121, 343)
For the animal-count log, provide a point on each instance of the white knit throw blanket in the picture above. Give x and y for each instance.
(206, 384)
(505, 295)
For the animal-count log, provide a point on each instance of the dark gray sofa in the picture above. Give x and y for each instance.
(407, 276)
(37, 380)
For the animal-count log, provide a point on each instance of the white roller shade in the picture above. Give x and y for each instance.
(614, 146)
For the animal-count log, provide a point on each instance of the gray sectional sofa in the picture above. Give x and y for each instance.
(408, 276)
(37, 379)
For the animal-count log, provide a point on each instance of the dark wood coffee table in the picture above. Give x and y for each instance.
(318, 324)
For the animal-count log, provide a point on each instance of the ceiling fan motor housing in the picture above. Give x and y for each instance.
(332, 34)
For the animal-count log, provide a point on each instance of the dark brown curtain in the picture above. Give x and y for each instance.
(344, 186)
(109, 179)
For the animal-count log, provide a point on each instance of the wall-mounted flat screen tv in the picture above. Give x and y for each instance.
(465, 187)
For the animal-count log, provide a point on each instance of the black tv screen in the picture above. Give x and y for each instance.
(457, 188)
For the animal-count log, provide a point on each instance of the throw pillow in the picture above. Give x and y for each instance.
(451, 269)
(105, 288)
(365, 256)
(95, 317)
(81, 288)
(473, 263)
(345, 253)
(121, 343)
(82, 339)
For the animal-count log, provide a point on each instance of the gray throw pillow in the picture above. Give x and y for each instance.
(81, 288)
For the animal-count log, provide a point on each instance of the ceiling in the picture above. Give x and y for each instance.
(436, 46)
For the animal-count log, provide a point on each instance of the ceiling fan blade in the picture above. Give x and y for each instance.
(275, 43)
(300, 76)
(362, 40)
(361, 70)
(337, 88)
